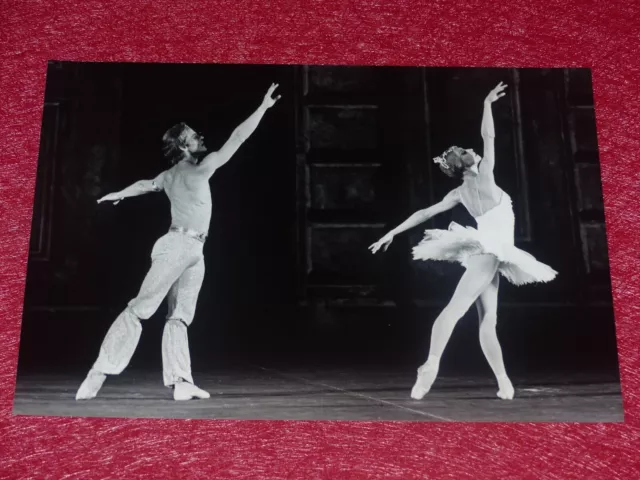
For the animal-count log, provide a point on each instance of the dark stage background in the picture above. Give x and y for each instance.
(343, 157)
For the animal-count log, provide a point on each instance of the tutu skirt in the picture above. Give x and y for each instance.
(458, 243)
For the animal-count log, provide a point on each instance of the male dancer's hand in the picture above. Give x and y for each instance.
(383, 243)
(112, 197)
(496, 93)
(268, 101)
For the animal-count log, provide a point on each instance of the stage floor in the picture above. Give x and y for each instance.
(260, 392)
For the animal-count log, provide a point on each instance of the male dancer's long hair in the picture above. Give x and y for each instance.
(172, 141)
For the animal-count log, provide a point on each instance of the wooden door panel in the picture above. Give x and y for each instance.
(342, 187)
(342, 127)
(589, 189)
(339, 253)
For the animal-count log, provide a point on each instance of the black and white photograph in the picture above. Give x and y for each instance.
(318, 242)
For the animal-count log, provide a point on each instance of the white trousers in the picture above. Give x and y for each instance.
(177, 271)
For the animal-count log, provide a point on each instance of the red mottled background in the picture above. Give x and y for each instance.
(599, 34)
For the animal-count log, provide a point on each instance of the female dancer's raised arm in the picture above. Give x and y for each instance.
(487, 129)
(447, 203)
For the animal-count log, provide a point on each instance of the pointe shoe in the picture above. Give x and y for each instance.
(186, 391)
(426, 377)
(91, 385)
(506, 390)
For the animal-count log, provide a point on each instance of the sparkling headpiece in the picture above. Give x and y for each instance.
(442, 159)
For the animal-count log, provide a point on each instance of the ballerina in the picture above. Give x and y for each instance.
(485, 252)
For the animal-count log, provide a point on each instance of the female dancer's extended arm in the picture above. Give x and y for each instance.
(488, 131)
(421, 216)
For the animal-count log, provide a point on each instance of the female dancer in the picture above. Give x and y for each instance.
(485, 252)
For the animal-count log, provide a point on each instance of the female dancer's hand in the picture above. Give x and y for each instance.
(496, 93)
(383, 243)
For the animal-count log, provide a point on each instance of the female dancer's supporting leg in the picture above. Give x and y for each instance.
(481, 269)
(487, 304)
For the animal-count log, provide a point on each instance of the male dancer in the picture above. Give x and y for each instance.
(177, 267)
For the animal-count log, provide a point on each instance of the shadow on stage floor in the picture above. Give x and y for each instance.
(256, 392)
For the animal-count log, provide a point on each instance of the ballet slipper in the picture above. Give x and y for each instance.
(505, 388)
(426, 376)
(186, 391)
(91, 385)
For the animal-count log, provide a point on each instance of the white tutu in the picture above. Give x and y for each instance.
(494, 236)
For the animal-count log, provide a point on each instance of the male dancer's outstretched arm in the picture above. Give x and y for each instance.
(139, 188)
(215, 160)
(447, 203)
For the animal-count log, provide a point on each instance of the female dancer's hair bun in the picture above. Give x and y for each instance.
(452, 169)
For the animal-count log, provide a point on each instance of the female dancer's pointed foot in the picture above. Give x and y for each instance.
(505, 388)
(187, 391)
(91, 385)
(426, 376)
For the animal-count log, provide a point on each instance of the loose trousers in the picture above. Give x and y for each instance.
(177, 271)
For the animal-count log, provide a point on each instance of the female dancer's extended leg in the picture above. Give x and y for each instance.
(487, 304)
(481, 269)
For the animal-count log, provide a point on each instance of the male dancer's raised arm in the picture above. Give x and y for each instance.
(215, 160)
